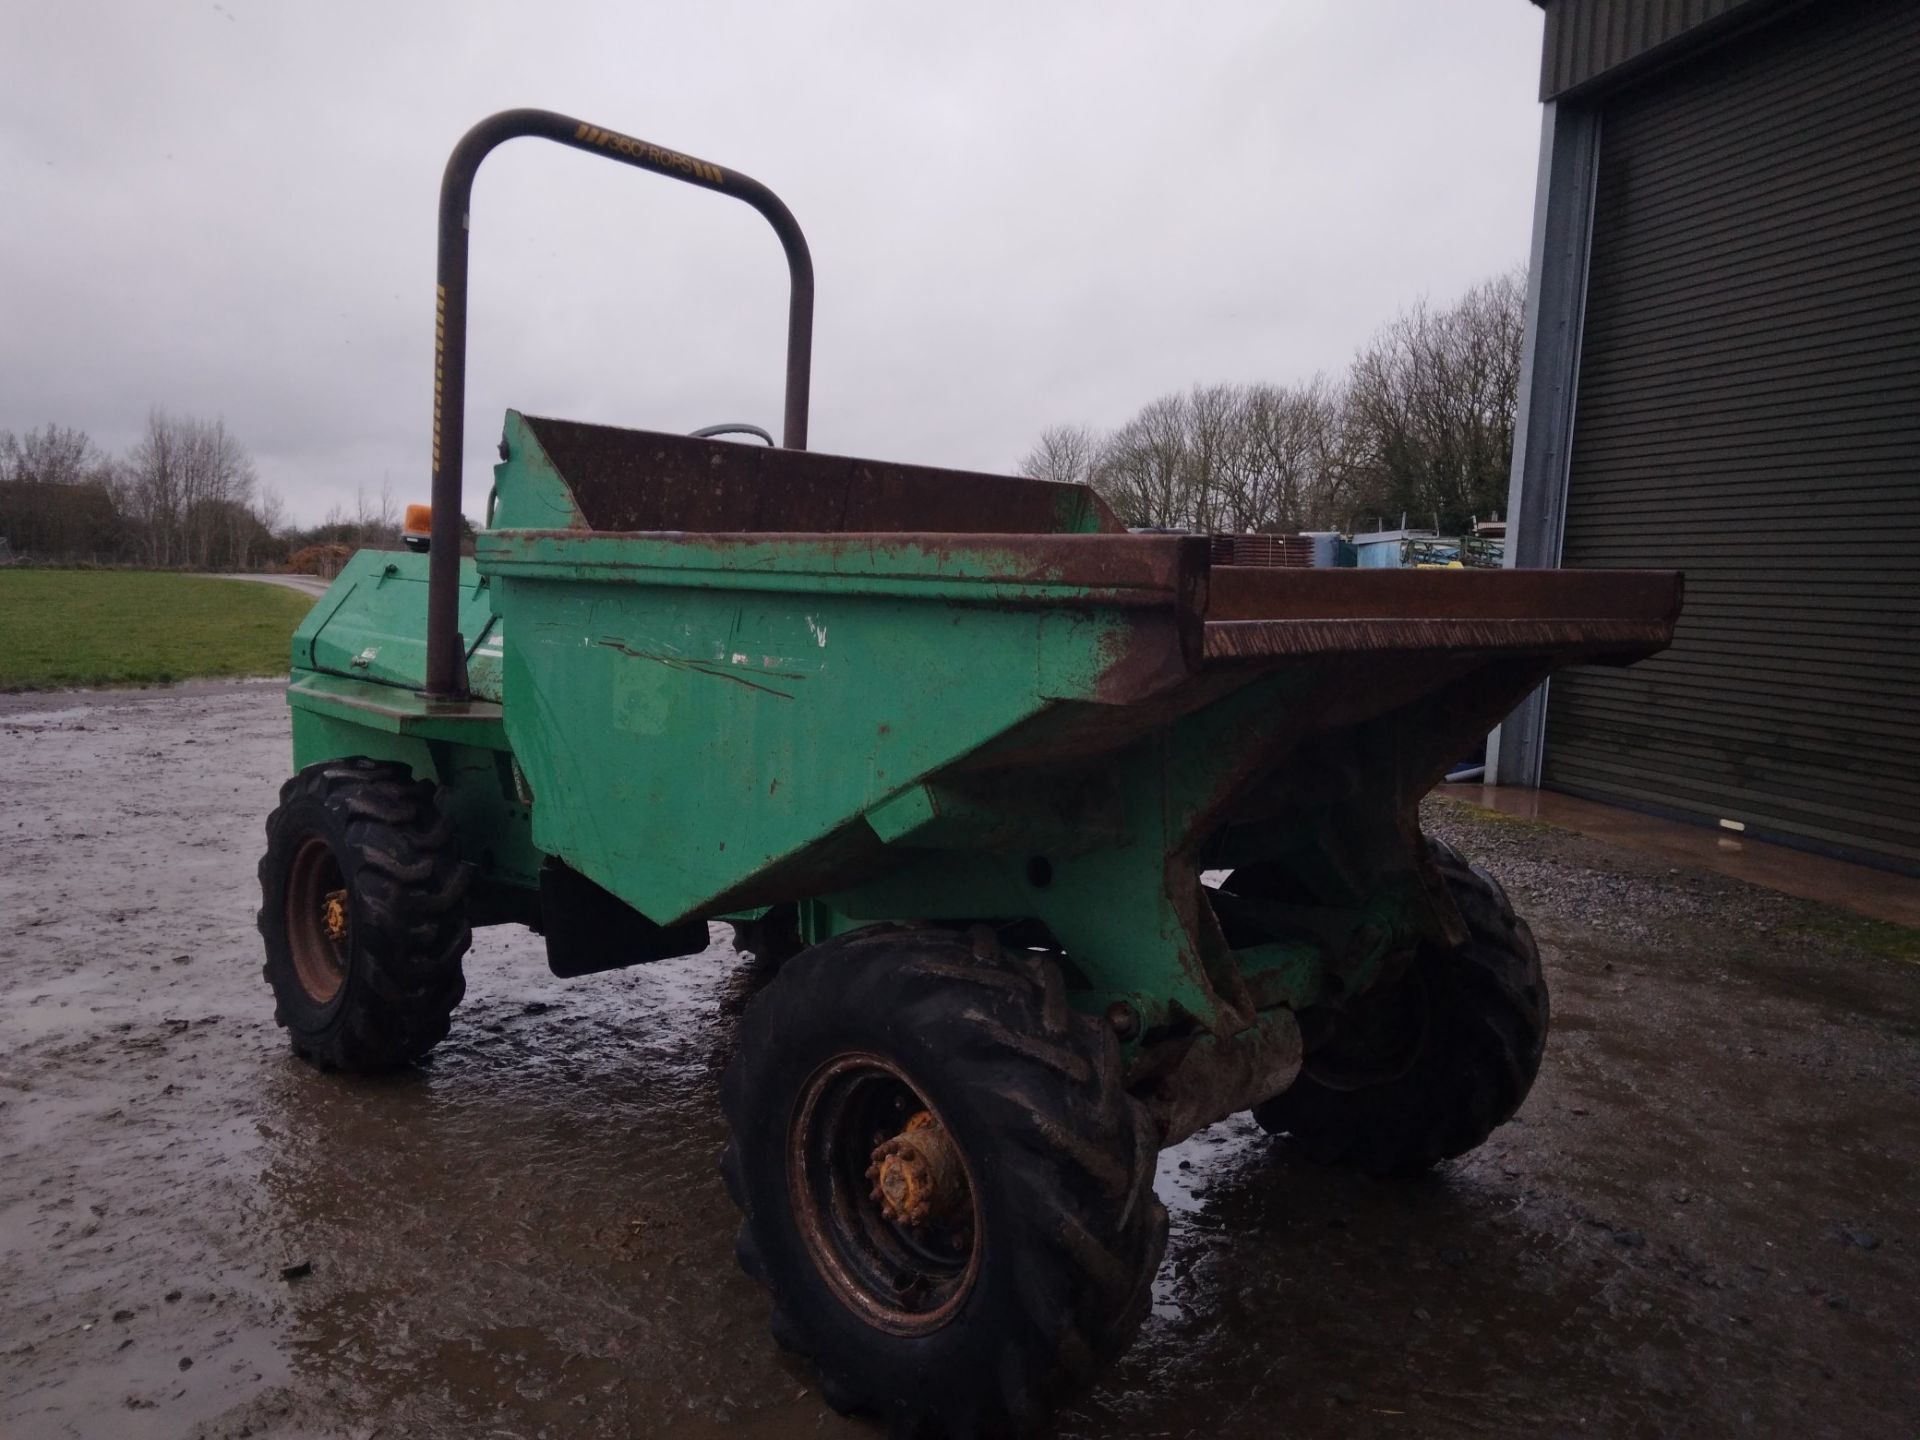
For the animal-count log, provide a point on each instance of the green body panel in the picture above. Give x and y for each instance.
(370, 625)
(713, 726)
(358, 664)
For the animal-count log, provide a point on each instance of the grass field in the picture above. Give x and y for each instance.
(134, 627)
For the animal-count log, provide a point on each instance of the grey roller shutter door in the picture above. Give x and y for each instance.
(1749, 411)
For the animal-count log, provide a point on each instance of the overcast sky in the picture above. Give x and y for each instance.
(1020, 213)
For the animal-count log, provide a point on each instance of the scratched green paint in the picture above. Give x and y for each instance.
(371, 625)
(703, 736)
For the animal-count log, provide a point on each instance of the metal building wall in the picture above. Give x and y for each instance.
(1748, 410)
(1587, 38)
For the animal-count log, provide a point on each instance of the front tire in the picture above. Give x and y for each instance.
(363, 913)
(944, 1185)
(1478, 1015)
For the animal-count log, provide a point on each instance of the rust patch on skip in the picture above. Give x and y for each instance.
(1141, 658)
(639, 480)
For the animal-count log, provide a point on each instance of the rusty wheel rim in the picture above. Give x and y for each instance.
(319, 928)
(853, 1117)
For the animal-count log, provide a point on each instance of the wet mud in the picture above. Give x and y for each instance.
(1702, 1224)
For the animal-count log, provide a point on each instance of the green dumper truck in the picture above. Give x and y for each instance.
(1058, 843)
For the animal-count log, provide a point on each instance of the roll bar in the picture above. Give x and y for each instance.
(446, 667)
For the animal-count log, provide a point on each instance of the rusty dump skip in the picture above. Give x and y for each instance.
(785, 518)
(642, 480)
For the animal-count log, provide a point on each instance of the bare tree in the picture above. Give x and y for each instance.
(55, 499)
(1228, 458)
(378, 519)
(1143, 469)
(151, 483)
(1431, 405)
(1064, 453)
(186, 494)
(270, 510)
(1212, 438)
(220, 478)
(184, 481)
(1423, 424)
(1293, 475)
(51, 455)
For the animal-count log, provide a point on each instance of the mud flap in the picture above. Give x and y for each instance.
(589, 930)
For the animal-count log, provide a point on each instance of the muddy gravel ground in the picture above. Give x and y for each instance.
(1703, 1222)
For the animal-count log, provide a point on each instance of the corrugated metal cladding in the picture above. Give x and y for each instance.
(1749, 411)
(1587, 38)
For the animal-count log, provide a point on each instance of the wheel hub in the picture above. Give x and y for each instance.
(333, 915)
(917, 1175)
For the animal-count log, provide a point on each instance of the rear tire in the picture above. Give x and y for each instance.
(363, 913)
(1485, 1015)
(1041, 1269)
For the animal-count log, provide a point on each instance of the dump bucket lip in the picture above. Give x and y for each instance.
(1262, 639)
(1242, 592)
(1568, 615)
